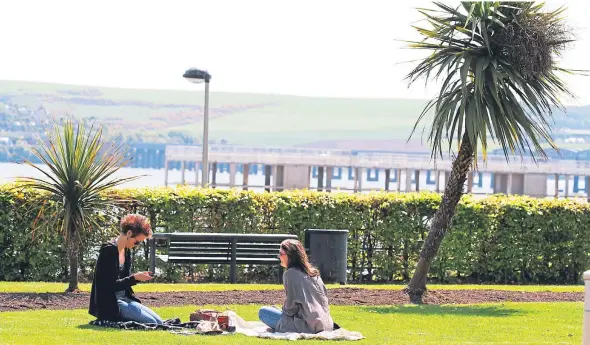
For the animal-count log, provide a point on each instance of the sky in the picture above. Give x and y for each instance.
(327, 48)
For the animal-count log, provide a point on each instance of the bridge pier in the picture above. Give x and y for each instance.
(267, 176)
(279, 177)
(329, 176)
(245, 173)
(387, 178)
(233, 168)
(417, 178)
(408, 180)
(274, 169)
(358, 180)
(437, 180)
(213, 174)
(165, 173)
(182, 170)
(320, 178)
(535, 185)
(294, 176)
(470, 182)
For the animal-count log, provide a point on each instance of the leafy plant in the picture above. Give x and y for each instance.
(499, 239)
(500, 80)
(79, 168)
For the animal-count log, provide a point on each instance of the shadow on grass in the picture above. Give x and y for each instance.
(452, 310)
(98, 328)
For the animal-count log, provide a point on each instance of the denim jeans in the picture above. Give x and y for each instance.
(270, 316)
(133, 311)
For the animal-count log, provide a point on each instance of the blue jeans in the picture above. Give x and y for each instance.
(133, 311)
(270, 316)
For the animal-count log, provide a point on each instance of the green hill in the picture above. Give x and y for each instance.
(167, 116)
(238, 118)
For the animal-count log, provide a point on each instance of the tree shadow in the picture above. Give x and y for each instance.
(452, 310)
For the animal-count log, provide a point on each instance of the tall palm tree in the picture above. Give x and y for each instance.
(80, 168)
(497, 62)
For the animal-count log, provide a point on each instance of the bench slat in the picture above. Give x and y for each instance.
(239, 260)
(178, 236)
(245, 249)
(223, 254)
(225, 243)
(205, 243)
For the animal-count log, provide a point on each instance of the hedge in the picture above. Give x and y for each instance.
(498, 239)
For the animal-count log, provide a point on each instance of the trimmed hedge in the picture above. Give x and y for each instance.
(498, 239)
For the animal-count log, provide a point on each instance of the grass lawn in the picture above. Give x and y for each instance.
(39, 287)
(508, 323)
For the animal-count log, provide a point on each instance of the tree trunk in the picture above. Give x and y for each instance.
(442, 220)
(73, 251)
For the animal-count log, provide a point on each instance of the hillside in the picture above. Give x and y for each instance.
(245, 119)
(164, 116)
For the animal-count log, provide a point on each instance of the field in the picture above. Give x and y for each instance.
(508, 323)
(249, 119)
(505, 322)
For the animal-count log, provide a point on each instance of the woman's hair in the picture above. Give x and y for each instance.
(298, 258)
(137, 224)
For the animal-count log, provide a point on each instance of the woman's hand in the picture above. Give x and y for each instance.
(142, 276)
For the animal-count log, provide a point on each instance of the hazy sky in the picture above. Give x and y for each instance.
(335, 48)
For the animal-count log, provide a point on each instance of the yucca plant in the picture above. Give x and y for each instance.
(80, 169)
(497, 62)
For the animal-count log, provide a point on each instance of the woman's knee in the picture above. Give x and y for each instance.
(264, 311)
(152, 319)
(139, 313)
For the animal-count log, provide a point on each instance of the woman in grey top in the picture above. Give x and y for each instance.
(306, 307)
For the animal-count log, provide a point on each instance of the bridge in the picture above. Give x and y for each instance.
(369, 160)
(518, 176)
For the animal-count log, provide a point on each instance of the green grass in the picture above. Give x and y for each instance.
(41, 287)
(509, 323)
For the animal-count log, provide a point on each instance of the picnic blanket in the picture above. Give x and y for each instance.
(171, 325)
(247, 328)
(260, 330)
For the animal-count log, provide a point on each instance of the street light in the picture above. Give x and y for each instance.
(198, 76)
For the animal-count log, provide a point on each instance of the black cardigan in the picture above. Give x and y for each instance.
(108, 280)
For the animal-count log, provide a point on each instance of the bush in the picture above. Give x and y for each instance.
(498, 239)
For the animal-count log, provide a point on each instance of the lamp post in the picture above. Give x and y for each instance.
(198, 76)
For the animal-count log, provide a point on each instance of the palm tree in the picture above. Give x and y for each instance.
(80, 169)
(497, 62)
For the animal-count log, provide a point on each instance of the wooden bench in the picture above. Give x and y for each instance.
(218, 248)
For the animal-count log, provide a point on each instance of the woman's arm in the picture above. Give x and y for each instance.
(107, 273)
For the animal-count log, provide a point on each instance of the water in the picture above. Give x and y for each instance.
(371, 179)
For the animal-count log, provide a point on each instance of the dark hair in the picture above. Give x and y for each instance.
(298, 258)
(137, 224)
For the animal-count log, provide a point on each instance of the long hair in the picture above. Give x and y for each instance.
(298, 258)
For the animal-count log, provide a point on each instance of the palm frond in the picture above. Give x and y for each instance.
(492, 87)
(79, 169)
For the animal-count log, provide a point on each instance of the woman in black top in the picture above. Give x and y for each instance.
(112, 297)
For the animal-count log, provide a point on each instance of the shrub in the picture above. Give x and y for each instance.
(499, 239)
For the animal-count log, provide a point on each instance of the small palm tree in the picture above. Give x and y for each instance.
(80, 167)
(498, 65)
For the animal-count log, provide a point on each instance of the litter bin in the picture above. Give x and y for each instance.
(328, 250)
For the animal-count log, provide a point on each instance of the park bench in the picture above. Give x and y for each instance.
(218, 248)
